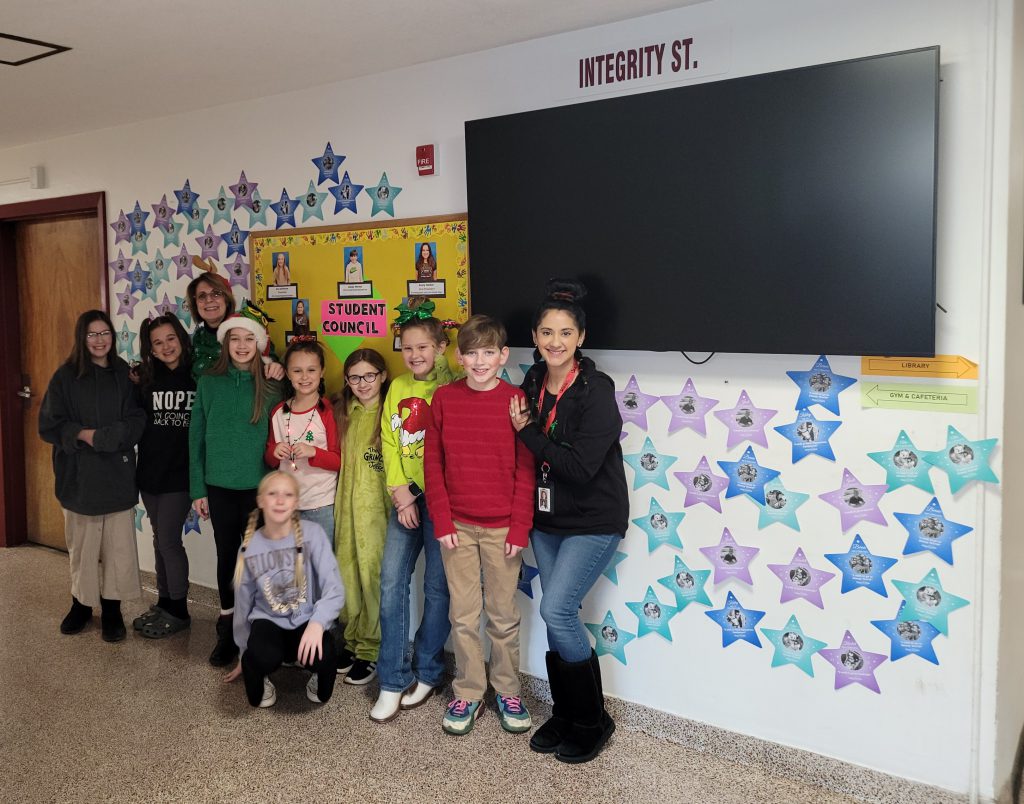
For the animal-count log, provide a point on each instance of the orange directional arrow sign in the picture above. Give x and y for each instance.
(946, 366)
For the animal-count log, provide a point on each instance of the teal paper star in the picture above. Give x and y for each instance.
(780, 505)
(183, 312)
(610, 572)
(653, 615)
(172, 234)
(928, 602)
(609, 638)
(793, 646)
(159, 269)
(258, 212)
(312, 203)
(649, 466)
(140, 514)
(126, 342)
(221, 206)
(687, 585)
(964, 460)
(903, 465)
(139, 242)
(383, 196)
(661, 527)
(197, 220)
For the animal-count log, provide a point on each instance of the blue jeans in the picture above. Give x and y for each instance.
(324, 517)
(396, 669)
(569, 566)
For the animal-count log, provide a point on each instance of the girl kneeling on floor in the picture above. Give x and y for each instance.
(287, 594)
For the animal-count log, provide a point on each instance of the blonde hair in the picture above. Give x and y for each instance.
(250, 529)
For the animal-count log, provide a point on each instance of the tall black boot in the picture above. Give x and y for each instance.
(76, 619)
(225, 651)
(590, 725)
(111, 621)
(549, 736)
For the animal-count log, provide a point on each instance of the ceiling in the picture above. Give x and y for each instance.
(133, 61)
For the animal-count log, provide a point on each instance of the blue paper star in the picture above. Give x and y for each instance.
(235, 239)
(928, 602)
(139, 242)
(505, 376)
(611, 571)
(780, 505)
(909, 637)
(652, 615)
(687, 585)
(122, 229)
(345, 194)
(137, 219)
(747, 476)
(243, 190)
(121, 267)
(312, 203)
(328, 165)
(661, 527)
(172, 233)
(285, 209)
(140, 514)
(186, 199)
(138, 278)
(126, 342)
(191, 523)
(383, 196)
(820, 386)
(197, 220)
(609, 638)
(525, 368)
(221, 206)
(526, 575)
(736, 622)
(809, 436)
(159, 269)
(964, 460)
(930, 531)
(258, 211)
(649, 466)
(861, 568)
(793, 646)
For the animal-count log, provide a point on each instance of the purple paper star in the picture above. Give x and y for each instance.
(238, 272)
(856, 502)
(166, 306)
(183, 262)
(633, 403)
(730, 560)
(243, 190)
(162, 213)
(209, 243)
(126, 302)
(688, 409)
(800, 581)
(745, 422)
(853, 665)
(121, 267)
(122, 229)
(702, 486)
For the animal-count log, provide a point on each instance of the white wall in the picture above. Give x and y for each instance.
(928, 722)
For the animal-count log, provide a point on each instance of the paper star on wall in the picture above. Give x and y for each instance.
(800, 581)
(649, 465)
(964, 460)
(702, 486)
(383, 196)
(137, 219)
(809, 436)
(345, 194)
(161, 212)
(209, 243)
(197, 220)
(172, 233)
(930, 531)
(687, 585)
(221, 206)
(140, 514)
(235, 239)
(122, 229)
(166, 306)
(183, 264)
(793, 646)
(126, 342)
(121, 267)
(139, 242)
(527, 573)
(149, 292)
(689, 409)
(312, 203)
(730, 560)
(186, 199)
(747, 476)
(611, 571)
(243, 191)
(861, 568)
(780, 506)
(138, 279)
(183, 312)
(820, 386)
(909, 637)
(327, 165)
(903, 465)
(652, 615)
(661, 527)
(609, 638)
(258, 209)
(633, 403)
(856, 502)
(745, 422)
(191, 523)
(238, 272)
(126, 302)
(853, 665)
(159, 269)
(737, 623)
(285, 209)
(928, 602)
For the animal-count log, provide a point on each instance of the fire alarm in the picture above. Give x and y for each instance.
(426, 160)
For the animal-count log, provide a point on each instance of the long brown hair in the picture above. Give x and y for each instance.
(262, 389)
(80, 359)
(216, 282)
(147, 366)
(342, 399)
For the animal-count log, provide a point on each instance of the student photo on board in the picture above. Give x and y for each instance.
(300, 317)
(354, 264)
(426, 262)
(282, 269)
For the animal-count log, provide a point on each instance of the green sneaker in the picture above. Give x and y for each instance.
(460, 716)
(513, 713)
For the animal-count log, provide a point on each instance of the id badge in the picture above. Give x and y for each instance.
(544, 499)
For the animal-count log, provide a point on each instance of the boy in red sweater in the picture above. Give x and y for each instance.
(480, 485)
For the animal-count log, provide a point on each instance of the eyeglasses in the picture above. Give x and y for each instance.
(92, 336)
(369, 378)
(213, 295)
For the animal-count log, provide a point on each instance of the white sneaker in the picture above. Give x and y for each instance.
(417, 695)
(387, 707)
(313, 689)
(269, 694)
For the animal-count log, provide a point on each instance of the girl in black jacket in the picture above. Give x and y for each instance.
(571, 424)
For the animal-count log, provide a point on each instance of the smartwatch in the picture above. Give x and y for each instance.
(415, 489)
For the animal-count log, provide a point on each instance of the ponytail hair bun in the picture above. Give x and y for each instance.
(565, 295)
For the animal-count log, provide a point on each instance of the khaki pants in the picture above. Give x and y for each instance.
(483, 549)
(104, 556)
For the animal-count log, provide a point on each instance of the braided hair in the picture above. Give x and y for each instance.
(250, 529)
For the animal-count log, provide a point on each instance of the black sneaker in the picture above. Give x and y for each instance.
(362, 672)
(76, 619)
(225, 651)
(345, 661)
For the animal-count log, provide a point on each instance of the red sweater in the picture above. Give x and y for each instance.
(476, 470)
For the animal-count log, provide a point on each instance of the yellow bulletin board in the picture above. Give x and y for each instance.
(343, 283)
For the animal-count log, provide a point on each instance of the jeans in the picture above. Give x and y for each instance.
(324, 517)
(569, 566)
(395, 668)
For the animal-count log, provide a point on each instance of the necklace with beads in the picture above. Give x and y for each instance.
(306, 434)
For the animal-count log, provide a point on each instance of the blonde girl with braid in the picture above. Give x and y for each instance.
(288, 592)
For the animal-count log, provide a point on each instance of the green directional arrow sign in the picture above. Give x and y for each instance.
(944, 398)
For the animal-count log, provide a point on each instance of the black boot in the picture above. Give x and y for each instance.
(591, 725)
(111, 622)
(225, 651)
(76, 619)
(549, 736)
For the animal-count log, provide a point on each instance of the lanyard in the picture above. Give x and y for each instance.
(550, 423)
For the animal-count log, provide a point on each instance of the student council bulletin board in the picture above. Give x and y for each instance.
(341, 284)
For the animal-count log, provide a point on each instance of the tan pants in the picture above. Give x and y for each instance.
(104, 556)
(483, 549)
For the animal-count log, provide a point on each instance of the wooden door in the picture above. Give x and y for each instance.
(58, 264)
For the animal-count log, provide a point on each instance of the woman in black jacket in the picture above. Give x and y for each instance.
(571, 423)
(91, 417)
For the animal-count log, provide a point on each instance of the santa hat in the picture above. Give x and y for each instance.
(251, 318)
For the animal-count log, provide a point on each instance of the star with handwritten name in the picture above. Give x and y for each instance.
(909, 637)
(738, 624)
(809, 436)
(820, 386)
(931, 532)
(861, 568)
(747, 476)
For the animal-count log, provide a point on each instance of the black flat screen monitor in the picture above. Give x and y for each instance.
(790, 212)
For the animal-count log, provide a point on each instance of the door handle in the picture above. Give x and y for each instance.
(25, 393)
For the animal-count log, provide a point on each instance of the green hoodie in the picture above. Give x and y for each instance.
(363, 503)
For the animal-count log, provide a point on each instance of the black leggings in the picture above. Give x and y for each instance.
(270, 645)
(229, 513)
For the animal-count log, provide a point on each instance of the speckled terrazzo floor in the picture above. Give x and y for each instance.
(85, 721)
